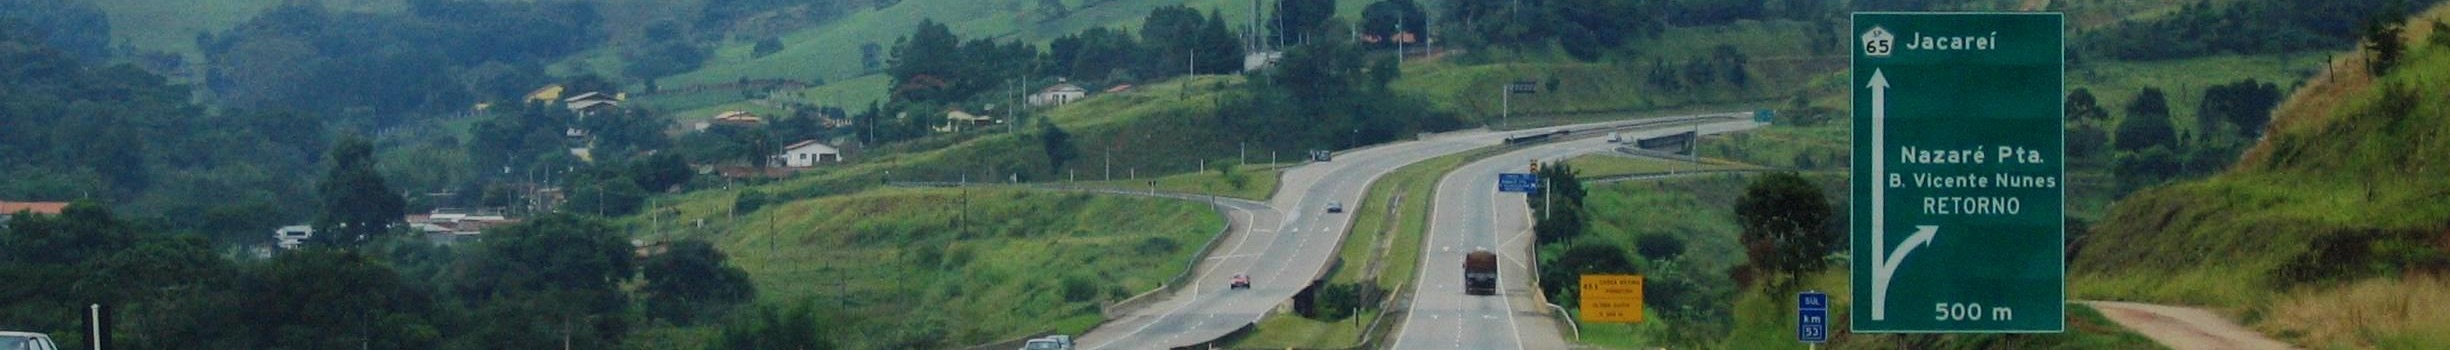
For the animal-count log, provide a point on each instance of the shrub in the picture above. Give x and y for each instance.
(1157, 246)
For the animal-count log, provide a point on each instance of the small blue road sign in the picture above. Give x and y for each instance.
(1812, 317)
(1513, 182)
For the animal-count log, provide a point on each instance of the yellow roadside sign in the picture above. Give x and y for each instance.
(1611, 298)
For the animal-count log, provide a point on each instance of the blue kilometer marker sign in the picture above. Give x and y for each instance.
(1812, 317)
(1958, 174)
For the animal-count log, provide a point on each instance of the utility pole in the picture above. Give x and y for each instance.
(1505, 103)
(1547, 197)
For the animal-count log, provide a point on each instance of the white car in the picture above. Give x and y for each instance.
(26, 341)
(1335, 206)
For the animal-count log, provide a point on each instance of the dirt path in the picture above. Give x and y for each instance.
(2184, 328)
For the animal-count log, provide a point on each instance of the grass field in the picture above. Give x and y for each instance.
(1604, 165)
(1257, 181)
(961, 266)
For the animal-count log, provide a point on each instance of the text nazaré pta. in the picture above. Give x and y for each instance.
(1969, 155)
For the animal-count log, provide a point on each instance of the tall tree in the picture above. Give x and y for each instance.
(2245, 105)
(357, 205)
(1786, 225)
(322, 298)
(538, 284)
(1385, 18)
(693, 282)
(2081, 106)
(924, 64)
(2147, 123)
(1057, 144)
(1296, 21)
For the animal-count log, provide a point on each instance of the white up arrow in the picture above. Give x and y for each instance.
(1884, 263)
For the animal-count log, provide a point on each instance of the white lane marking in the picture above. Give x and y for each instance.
(1513, 329)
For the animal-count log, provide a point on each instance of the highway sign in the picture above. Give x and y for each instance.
(1812, 317)
(1522, 87)
(1515, 182)
(1763, 115)
(1958, 179)
(1611, 298)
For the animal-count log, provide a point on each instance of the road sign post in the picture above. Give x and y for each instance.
(1812, 317)
(1611, 298)
(1958, 179)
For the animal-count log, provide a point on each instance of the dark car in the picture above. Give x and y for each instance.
(1335, 206)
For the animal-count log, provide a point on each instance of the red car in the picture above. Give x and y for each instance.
(1241, 282)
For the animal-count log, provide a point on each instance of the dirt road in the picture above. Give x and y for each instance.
(2184, 328)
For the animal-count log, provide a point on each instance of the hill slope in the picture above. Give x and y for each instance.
(2341, 203)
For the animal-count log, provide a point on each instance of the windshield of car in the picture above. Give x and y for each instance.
(16, 343)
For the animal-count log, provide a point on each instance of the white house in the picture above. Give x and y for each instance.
(1256, 61)
(293, 235)
(809, 153)
(1060, 94)
(956, 118)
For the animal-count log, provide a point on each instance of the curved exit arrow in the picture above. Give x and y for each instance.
(1884, 262)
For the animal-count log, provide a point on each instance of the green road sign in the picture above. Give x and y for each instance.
(1959, 173)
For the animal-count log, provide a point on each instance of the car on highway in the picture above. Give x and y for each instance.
(1240, 281)
(26, 341)
(1335, 206)
(1052, 342)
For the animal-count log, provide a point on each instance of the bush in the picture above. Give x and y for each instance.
(1078, 289)
(1157, 246)
(1659, 246)
(2356, 254)
(749, 201)
(1340, 301)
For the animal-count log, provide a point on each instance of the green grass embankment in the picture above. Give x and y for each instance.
(964, 266)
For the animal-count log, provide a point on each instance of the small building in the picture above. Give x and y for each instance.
(732, 118)
(1257, 61)
(546, 94)
(954, 120)
(292, 236)
(10, 209)
(809, 153)
(1060, 94)
(591, 103)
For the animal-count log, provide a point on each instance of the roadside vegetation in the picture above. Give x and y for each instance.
(2325, 210)
(932, 268)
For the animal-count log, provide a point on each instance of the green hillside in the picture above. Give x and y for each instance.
(2341, 201)
(154, 25)
(952, 267)
(831, 52)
